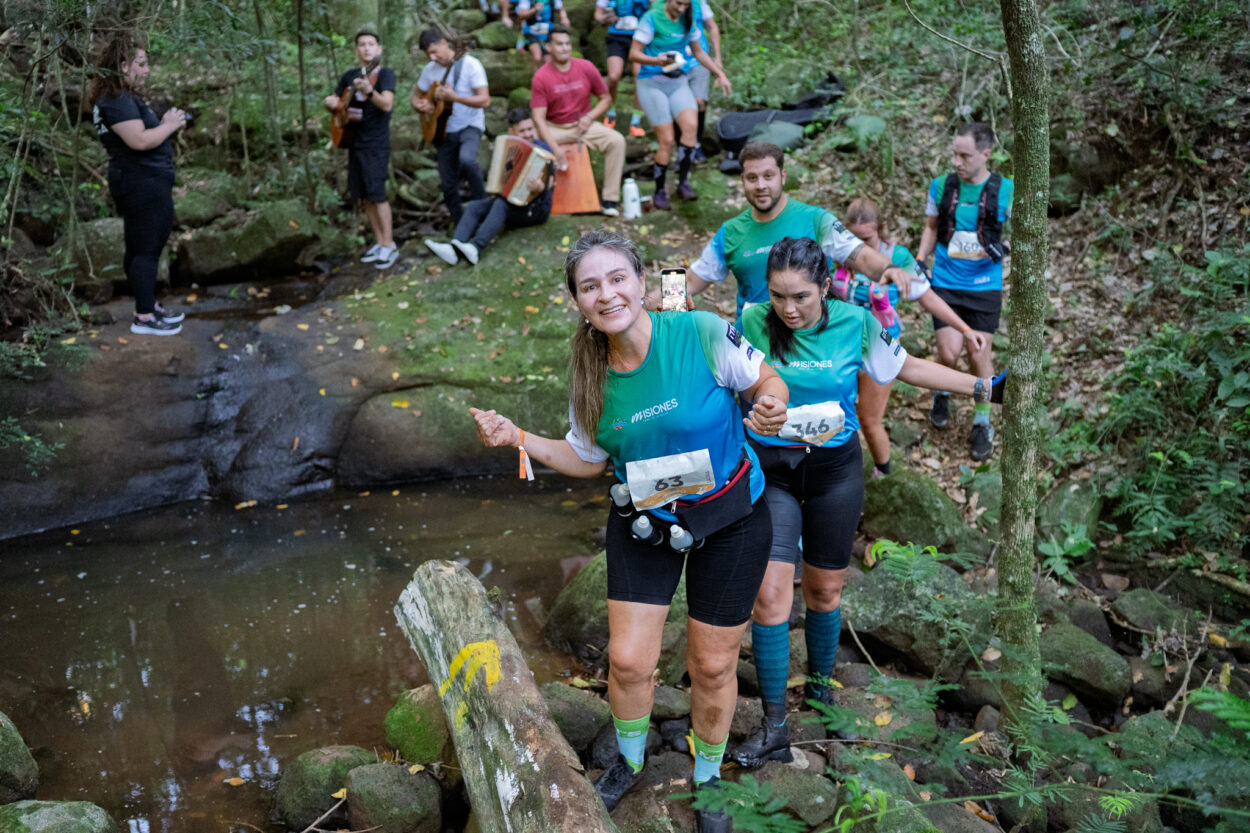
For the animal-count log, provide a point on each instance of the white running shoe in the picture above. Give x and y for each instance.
(469, 250)
(386, 257)
(444, 251)
(375, 251)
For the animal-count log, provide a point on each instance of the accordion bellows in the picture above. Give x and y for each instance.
(513, 162)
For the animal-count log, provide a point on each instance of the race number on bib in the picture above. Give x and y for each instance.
(539, 28)
(661, 480)
(628, 23)
(965, 246)
(813, 424)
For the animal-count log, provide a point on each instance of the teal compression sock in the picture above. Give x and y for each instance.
(770, 648)
(707, 759)
(822, 633)
(982, 414)
(631, 739)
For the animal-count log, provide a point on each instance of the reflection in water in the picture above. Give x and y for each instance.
(166, 664)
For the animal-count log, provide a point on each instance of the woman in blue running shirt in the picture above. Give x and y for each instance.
(657, 395)
(813, 468)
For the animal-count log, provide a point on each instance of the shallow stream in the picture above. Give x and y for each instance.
(166, 664)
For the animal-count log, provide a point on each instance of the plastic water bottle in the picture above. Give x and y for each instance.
(841, 280)
(620, 499)
(632, 202)
(645, 531)
(679, 538)
(881, 306)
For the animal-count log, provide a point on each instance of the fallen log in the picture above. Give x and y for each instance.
(522, 775)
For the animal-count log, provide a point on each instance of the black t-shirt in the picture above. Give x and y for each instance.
(123, 159)
(374, 130)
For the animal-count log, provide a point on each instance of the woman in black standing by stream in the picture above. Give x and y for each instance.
(141, 172)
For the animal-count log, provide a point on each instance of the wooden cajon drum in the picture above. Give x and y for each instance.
(575, 191)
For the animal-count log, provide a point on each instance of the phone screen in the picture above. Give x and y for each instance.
(673, 290)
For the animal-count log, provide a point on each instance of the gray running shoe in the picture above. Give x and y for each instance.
(155, 326)
(940, 413)
(981, 441)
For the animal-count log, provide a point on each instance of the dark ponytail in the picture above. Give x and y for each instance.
(802, 255)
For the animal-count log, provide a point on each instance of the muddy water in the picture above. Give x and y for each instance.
(165, 665)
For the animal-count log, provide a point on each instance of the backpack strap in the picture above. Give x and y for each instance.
(989, 228)
(455, 76)
(946, 209)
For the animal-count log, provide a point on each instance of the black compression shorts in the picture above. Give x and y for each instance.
(979, 310)
(722, 576)
(619, 46)
(819, 498)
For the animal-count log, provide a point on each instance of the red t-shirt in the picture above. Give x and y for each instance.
(566, 95)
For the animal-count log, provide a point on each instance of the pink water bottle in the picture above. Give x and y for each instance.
(881, 307)
(841, 280)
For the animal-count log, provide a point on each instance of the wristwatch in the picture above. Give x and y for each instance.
(979, 393)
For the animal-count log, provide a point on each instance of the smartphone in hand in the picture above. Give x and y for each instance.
(673, 290)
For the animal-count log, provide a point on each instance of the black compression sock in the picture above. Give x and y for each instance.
(698, 139)
(659, 173)
(684, 157)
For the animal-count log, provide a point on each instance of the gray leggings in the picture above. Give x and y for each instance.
(662, 97)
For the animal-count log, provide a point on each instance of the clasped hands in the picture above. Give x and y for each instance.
(767, 416)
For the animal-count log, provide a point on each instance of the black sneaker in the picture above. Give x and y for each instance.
(822, 694)
(171, 317)
(609, 208)
(155, 326)
(940, 413)
(711, 821)
(981, 441)
(615, 781)
(769, 742)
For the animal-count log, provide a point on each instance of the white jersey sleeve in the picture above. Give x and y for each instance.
(835, 240)
(883, 356)
(734, 361)
(584, 447)
(711, 265)
(645, 33)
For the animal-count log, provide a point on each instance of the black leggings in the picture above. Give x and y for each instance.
(146, 203)
(820, 499)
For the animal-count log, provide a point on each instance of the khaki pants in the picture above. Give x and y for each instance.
(607, 141)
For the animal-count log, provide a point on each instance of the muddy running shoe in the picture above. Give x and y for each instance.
(685, 191)
(660, 200)
(171, 317)
(155, 326)
(940, 413)
(615, 781)
(769, 742)
(372, 255)
(981, 441)
(469, 250)
(444, 251)
(711, 821)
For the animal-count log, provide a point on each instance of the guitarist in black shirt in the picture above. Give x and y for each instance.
(372, 90)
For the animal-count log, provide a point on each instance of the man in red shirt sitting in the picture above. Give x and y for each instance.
(560, 101)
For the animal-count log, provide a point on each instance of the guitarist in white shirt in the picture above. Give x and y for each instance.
(462, 83)
(369, 154)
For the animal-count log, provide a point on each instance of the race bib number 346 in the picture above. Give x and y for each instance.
(813, 424)
(661, 480)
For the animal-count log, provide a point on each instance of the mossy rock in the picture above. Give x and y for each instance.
(95, 250)
(520, 97)
(578, 622)
(879, 717)
(1077, 502)
(1077, 659)
(307, 784)
(579, 714)
(416, 726)
(670, 703)
(202, 196)
(806, 794)
(390, 799)
(506, 70)
(55, 817)
(909, 506)
(495, 36)
(19, 774)
(1153, 612)
(466, 20)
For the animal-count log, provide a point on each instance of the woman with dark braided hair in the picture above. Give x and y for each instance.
(813, 466)
(141, 172)
(654, 393)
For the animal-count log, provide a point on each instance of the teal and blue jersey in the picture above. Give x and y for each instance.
(742, 244)
(658, 34)
(539, 25)
(680, 399)
(823, 364)
(963, 264)
(628, 13)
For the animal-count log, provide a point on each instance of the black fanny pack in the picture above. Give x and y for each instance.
(728, 504)
(777, 456)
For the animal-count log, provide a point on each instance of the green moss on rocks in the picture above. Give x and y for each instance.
(1073, 657)
(308, 782)
(390, 799)
(55, 817)
(19, 775)
(416, 726)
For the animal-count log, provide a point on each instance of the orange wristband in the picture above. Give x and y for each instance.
(525, 470)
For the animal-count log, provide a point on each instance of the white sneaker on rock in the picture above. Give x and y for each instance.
(444, 251)
(469, 250)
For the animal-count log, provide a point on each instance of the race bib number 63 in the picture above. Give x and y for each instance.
(661, 480)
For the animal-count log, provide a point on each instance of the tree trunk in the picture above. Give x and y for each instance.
(521, 773)
(1023, 406)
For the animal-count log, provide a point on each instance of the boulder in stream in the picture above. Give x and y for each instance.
(55, 817)
(307, 783)
(416, 727)
(265, 241)
(389, 798)
(19, 774)
(806, 794)
(580, 714)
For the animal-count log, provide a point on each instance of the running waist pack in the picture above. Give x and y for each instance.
(728, 504)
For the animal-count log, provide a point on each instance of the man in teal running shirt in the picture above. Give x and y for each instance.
(742, 244)
(966, 214)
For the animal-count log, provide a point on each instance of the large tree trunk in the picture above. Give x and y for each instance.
(521, 773)
(1023, 407)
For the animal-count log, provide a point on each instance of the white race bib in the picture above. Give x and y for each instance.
(539, 28)
(661, 480)
(628, 23)
(813, 424)
(965, 246)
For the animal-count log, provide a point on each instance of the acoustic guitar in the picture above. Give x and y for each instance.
(345, 120)
(434, 123)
